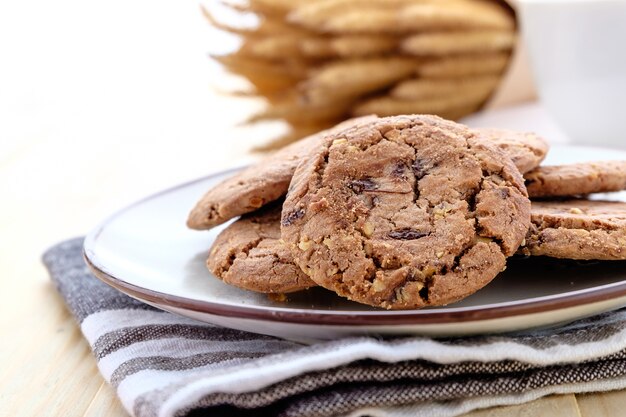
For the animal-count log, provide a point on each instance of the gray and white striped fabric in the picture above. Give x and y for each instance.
(165, 365)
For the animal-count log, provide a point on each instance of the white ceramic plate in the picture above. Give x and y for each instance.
(146, 251)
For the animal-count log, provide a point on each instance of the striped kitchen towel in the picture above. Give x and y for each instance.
(165, 365)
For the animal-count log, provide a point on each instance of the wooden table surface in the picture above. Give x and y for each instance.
(92, 119)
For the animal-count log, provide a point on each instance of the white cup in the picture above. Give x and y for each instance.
(578, 53)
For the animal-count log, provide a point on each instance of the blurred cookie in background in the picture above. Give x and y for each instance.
(319, 62)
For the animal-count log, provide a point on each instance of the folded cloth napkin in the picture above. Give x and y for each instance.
(165, 365)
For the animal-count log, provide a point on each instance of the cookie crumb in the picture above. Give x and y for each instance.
(278, 297)
(368, 229)
(304, 244)
(487, 240)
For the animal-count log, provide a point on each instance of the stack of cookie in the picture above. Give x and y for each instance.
(318, 62)
(405, 212)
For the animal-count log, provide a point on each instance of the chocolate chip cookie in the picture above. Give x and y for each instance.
(258, 184)
(269, 179)
(577, 229)
(525, 149)
(576, 179)
(249, 254)
(405, 212)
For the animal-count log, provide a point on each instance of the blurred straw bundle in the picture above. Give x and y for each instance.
(318, 62)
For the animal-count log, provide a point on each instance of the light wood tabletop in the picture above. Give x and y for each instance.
(92, 119)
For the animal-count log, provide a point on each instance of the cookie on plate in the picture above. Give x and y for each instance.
(249, 254)
(256, 185)
(577, 229)
(269, 179)
(405, 212)
(576, 179)
(527, 150)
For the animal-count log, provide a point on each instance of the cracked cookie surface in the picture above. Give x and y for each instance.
(405, 212)
(249, 254)
(268, 180)
(258, 184)
(576, 179)
(525, 149)
(577, 229)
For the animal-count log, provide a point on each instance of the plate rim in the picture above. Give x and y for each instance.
(448, 315)
(519, 308)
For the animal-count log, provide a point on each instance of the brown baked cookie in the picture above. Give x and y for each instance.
(258, 184)
(269, 179)
(525, 149)
(249, 254)
(577, 229)
(405, 212)
(576, 179)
